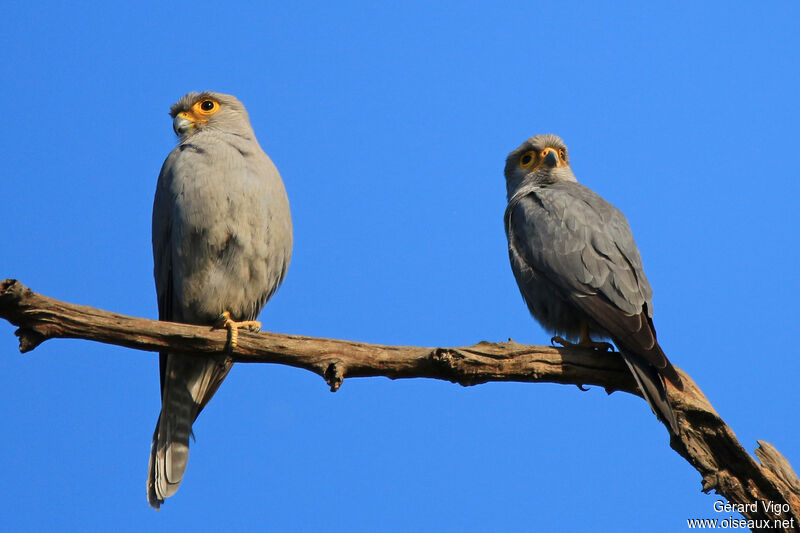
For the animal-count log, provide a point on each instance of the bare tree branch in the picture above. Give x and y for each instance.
(705, 441)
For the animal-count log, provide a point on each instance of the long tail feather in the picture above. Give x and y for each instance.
(189, 384)
(652, 386)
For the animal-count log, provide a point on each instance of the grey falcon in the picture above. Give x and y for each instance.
(222, 242)
(578, 267)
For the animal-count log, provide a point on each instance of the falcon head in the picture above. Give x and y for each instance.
(540, 160)
(196, 112)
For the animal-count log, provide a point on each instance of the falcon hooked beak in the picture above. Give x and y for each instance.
(197, 115)
(182, 124)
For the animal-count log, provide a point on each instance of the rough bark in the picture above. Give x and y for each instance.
(705, 441)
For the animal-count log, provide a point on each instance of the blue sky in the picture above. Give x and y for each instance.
(390, 125)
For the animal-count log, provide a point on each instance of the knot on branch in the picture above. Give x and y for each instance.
(29, 339)
(710, 482)
(15, 306)
(444, 357)
(10, 287)
(12, 293)
(334, 376)
(450, 362)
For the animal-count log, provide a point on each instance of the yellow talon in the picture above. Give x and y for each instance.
(225, 321)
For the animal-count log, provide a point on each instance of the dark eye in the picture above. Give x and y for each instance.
(527, 159)
(207, 105)
(563, 154)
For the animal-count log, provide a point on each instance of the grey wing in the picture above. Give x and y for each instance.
(584, 247)
(163, 206)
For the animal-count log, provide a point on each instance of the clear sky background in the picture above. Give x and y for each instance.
(390, 124)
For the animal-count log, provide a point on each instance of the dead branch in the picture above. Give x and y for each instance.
(706, 441)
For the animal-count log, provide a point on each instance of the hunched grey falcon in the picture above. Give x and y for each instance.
(222, 241)
(578, 267)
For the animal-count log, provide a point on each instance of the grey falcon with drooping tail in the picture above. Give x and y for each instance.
(578, 267)
(222, 241)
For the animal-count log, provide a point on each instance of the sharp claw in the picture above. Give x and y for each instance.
(558, 340)
(222, 320)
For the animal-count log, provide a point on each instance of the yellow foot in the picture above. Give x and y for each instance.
(584, 343)
(225, 321)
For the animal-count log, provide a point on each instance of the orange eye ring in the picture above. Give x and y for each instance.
(527, 159)
(205, 108)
